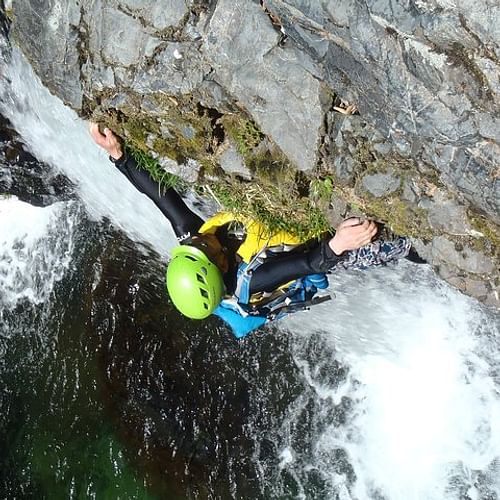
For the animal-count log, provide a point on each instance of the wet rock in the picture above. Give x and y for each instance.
(466, 258)
(457, 282)
(50, 36)
(493, 299)
(476, 288)
(232, 162)
(22, 176)
(424, 249)
(381, 184)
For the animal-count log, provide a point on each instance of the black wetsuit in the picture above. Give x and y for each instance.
(271, 274)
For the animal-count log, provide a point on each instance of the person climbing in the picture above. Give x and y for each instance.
(230, 266)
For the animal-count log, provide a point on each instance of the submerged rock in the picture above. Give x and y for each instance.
(23, 176)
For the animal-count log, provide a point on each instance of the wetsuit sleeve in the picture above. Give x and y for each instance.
(184, 221)
(282, 269)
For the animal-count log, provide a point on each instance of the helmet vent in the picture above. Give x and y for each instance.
(204, 293)
(201, 278)
(190, 258)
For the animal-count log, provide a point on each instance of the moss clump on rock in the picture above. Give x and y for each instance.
(245, 134)
(187, 130)
(488, 239)
(399, 216)
(278, 194)
(172, 127)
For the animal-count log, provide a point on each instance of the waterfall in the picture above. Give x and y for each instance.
(424, 372)
(56, 136)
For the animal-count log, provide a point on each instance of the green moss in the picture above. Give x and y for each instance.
(160, 175)
(245, 134)
(179, 129)
(490, 241)
(399, 216)
(396, 214)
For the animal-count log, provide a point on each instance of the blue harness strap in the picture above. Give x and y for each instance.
(243, 317)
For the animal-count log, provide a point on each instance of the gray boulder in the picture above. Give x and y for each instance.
(381, 184)
(233, 163)
(464, 258)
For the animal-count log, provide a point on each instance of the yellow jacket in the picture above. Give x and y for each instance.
(257, 236)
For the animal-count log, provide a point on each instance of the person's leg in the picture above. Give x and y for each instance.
(378, 253)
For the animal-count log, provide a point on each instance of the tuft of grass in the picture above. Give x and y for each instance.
(322, 189)
(165, 179)
(278, 207)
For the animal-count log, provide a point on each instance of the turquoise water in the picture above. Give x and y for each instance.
(56, 438)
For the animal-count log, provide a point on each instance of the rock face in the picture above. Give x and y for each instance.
(421, 154)
(425, 73)
(279, 86)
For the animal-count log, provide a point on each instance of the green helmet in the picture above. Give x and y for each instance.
(194, 283)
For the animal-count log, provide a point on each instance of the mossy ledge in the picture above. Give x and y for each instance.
(180, 129)
(159, 127)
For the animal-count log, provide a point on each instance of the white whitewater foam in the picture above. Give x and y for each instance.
(427, 417)
(29, 265)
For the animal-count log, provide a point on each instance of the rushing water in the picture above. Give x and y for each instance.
(391, 391)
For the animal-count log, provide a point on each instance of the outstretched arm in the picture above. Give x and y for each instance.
(184, 221)
(350, 235)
